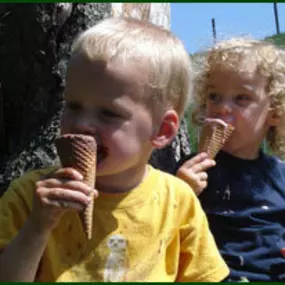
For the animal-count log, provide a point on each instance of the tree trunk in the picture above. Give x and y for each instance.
(35, 42)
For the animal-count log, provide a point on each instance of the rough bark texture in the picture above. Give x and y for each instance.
(35, 42)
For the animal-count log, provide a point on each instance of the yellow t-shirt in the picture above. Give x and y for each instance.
(156, 232)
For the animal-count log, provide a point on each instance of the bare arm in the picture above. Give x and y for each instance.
(20, 260)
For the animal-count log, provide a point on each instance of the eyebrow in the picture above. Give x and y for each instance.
(120, 107)
(248, 87)
(244, 86)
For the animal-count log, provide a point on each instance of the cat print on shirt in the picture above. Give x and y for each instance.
(117, 261)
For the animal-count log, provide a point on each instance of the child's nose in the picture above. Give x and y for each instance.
(225, 108)
(85, 126)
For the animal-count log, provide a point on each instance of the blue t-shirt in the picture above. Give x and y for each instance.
(245, 205)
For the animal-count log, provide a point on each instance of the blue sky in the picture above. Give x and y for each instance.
(191, 22)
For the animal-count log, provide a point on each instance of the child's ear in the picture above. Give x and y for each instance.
(273, 118)
(167, 131)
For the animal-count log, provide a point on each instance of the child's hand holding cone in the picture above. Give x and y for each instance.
(56, 193)
(193, 172)
(79, 152)
(214, 135)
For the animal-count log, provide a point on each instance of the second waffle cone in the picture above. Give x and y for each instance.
(214, 135)
(79, 152)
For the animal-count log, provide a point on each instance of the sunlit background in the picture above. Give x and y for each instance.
(192, 22)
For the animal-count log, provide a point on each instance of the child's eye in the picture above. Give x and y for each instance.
(109, 114)
(73, 106)
(214, 97)
(242, 99)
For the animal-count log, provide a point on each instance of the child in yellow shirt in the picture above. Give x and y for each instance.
(127, 85)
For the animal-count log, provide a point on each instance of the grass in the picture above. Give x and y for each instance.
(192, 130)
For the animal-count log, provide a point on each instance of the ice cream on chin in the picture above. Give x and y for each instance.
(80, 152)
(214, 134)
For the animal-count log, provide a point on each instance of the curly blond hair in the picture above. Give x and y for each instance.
(242, 54)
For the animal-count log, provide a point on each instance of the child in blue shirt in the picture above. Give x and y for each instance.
(243, 190)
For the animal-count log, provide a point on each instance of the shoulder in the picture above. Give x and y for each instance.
(22, 188)
(274, 164)
(172, 183)
(280, 164)
(274, 169)
(16, 204)
(29, 178)
(176, 190)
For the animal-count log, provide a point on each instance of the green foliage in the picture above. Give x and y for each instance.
(192, 129)
(278, 40)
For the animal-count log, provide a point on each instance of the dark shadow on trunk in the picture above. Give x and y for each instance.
(35, 42)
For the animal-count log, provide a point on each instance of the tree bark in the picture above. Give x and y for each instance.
(35, 41)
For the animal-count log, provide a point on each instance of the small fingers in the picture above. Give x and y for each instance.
(187, 176)
(62, 204)
(202, 186)
(65, 184)
(48, 194)
(184, 174)
(203, 176)
(204, 165)
(197, 181)
(195, 160)
(68, 173)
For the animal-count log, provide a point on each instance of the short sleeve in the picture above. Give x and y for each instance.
(16, 204)
(13, 213)
(200, 260)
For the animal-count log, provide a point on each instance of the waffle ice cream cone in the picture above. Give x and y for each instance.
(214, 135)
(79, 152)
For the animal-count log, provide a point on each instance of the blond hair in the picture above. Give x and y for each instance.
(240, 54)
(146, 45)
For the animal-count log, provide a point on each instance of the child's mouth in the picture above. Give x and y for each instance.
(102, 153)
(228, 119)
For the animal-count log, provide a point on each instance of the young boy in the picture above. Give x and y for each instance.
(243, 83)
(127, 85)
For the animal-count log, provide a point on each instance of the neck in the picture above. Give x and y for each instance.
(248, 153)
(121, 182)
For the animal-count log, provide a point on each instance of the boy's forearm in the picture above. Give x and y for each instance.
(20, 260)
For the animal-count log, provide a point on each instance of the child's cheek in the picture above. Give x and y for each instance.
(65, 124)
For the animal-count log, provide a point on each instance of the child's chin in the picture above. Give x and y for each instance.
(230, 150)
